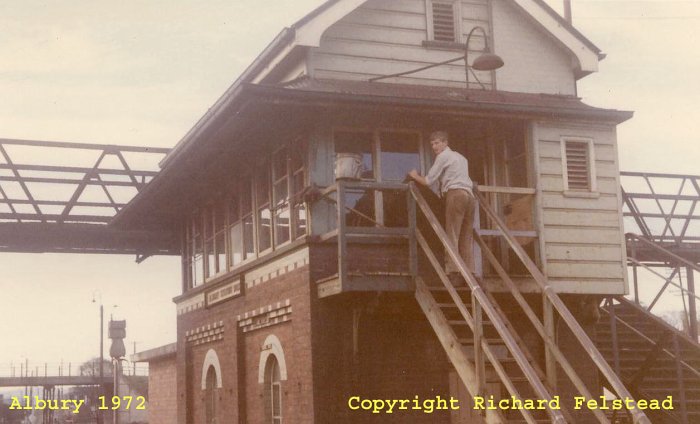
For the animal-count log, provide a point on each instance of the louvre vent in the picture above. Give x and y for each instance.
(577, 165)
(443, 21)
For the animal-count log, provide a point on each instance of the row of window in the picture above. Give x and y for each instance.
(263, 211)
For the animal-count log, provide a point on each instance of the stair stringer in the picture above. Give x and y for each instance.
(465, 368)
(687, 386)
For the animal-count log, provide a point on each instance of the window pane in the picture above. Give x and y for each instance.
(211, 396)
(282, 226)
(300, 229)
(276, 400)
(198, 269)
(395, 208)
(299, 207)
(211, 258)
(361, 203)
(279, 164)
(208, 223)
(399, 154)
(246, 199)
(248, 242)
(298, 183)
(356, 142)
(187, 257)
(233, 208)
(219, 217)
(296, 157)
(236, 235)
(197, 251)
(262, 185)
(264, 229)
(220, 251)
(281, 191)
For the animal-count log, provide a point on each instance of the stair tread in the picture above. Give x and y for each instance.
(488, 340)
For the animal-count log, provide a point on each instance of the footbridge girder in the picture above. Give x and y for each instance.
(50, 381)
(61, 197)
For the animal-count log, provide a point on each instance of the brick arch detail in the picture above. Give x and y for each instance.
(272, 346)
(211, 360)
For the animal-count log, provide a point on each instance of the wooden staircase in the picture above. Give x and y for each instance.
(482, 344)
(499, 376)
(654, 359)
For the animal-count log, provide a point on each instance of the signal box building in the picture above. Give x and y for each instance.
(306, 294)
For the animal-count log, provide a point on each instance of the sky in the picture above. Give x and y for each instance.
(143, 72)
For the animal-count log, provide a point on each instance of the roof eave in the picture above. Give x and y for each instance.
(234, 100)
(609, 115)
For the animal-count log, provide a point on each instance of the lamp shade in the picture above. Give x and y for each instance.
(487, 62)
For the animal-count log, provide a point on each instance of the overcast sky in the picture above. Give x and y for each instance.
(143, 72)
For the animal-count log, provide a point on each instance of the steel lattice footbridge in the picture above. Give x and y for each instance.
(60, 197)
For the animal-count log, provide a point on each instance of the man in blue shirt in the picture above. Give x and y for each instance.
(451, 173)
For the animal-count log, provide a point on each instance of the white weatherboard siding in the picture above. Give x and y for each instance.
(582, 236)
(534, 61)
(386, 37)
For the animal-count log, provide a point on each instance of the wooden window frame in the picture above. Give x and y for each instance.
(241, 216)
(259, 206)
(295, 201)
(210, 396)
(286, 203)
(591, 168)
(195, 225)
(216, 269)
(376, 149)
(249, 183)
(270, 386)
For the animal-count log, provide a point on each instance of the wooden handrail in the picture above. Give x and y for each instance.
(548, 291)
(478, 294)
(364, 185)
(539, 327)
(461, 307)
(506, 190)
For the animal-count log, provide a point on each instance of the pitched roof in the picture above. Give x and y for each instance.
(307, 32)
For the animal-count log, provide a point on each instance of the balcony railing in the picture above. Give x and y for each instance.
(374, 231)
(375, 226)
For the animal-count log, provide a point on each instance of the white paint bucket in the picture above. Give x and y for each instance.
(348, 166)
